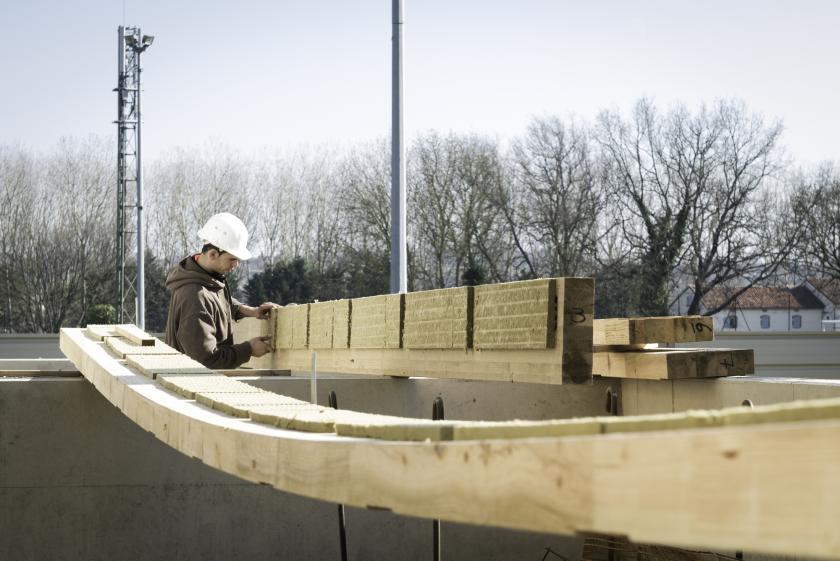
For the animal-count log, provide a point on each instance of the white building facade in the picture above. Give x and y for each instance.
(762, 308)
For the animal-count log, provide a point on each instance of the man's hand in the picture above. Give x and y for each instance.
(264, 311)
(261, 312)
(260, 346)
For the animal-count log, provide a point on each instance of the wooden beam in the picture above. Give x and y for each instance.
(438, 319)
(669, 364)
(575, 314)
(376, 322)
(399, 428)
(515, 315)
(154, 365)
(640, 331)
(135, 335)
(300, 326)
(99, 332)
(375, 336)
(126, 347)
(283, 329)
(321, 325)
(341, 324)
(767, 488)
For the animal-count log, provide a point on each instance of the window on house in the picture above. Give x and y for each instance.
(731, 322)
(796, 321)
(765, 322)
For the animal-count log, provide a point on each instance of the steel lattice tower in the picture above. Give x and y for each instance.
(130, 286)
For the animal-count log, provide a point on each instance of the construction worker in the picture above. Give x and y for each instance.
(201, 308)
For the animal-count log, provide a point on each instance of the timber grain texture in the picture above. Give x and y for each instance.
(515, 315)
(154, 365)
(439, 319)
(770, 488)
(321, 315)
(125, 347)
(670, 364)
(641, 331)
(375, 322)
(531, 331)
(135, 335)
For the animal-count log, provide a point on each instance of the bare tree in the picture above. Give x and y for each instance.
(555, 222)
(481, 244)
(688, 185)
(17, 176)
(60, 250)
(186, 188)
(365, 198)
(741, 225)
(431, 179)
(818, 202)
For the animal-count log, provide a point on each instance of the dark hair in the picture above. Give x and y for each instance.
(208, 246)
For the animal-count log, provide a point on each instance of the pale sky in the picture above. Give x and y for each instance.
(282, 73)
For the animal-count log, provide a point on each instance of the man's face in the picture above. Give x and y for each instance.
(222, 263)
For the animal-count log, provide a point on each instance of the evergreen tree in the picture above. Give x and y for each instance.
(157, 296)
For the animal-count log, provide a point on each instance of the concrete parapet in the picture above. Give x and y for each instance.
(79, 481)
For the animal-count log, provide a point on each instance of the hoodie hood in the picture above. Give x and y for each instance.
(189, 272)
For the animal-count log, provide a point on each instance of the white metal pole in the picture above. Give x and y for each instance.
(141, 284)
(399, 261)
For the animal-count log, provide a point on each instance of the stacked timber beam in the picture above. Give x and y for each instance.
(530, 331)
(630, 348)
(710, 468)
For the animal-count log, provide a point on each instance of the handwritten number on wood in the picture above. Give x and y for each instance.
(698, 327)
(577, 315)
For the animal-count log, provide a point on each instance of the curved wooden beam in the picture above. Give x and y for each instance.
(771, 488)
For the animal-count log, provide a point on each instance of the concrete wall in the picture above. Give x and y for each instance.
(797, 355)
(29, 345)
(79, 481)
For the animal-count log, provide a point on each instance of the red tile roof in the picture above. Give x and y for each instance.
(830, 288)
(763, 297)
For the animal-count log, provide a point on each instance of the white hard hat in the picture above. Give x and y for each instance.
(228, 233)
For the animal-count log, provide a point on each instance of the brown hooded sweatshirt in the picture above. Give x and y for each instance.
(200, 323)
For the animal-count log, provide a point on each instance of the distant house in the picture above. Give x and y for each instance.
(766, 308)
(828, 292)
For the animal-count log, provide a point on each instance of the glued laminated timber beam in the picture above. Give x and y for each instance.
(671, 364)
(529, 331)
(770, 487)
(642, 331)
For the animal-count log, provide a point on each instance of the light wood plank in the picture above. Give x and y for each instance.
(674, 363)
(300, 326)
(640, 331)
(126, 347)
(153, 365)
(515, 315)
(367, 322)
(341, 324)
(188, 384)
(135, 335)
(321, 315)
(99, 332)
(394, 320)
(439, 319)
